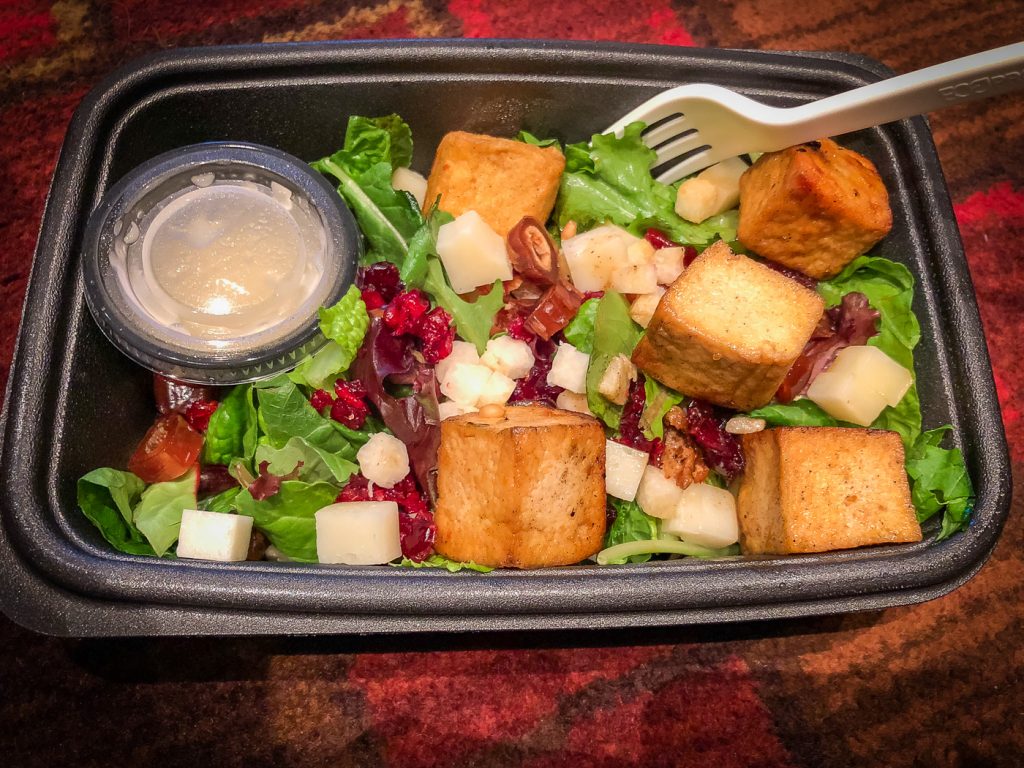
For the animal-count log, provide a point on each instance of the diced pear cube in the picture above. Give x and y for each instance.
(624, 467)
(841, 397)
(859, 383)
(214, 536)
(358, 533)
(637, 274)
(617, 377)
(571, 401)
(473, 254)
(462, 352)
(643, 306)
(569, 369)
(509, 356)
(657, 495)
(383, 460)
(706, 516)
(450, 408)
(669, 264)
(464, 382)
(713, 191)
(595, 256)
(874, 370)
(407, 180)
(497, 390)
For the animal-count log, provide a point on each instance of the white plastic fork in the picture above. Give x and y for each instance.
(701, 124)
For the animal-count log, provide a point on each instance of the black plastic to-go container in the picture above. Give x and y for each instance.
(75, 403)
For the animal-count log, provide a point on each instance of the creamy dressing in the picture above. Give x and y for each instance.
(222, 260)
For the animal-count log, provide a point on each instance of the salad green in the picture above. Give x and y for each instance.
(289, 458)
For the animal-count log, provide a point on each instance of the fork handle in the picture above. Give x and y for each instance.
(978, 76)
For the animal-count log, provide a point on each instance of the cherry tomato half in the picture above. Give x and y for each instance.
(168, 450)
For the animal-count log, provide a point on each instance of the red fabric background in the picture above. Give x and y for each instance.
(935, 684)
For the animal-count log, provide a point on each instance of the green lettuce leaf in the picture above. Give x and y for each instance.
(940, 480)
(344, 324)
(423, 247)
(631, 524)
(610, 180)
(799, 413)
(615, 333)
(658, 401)
(528, 138)
(372, 140)
(232, 431)
(473, 319)
(107, 497)
(158, 513)
(318, 465)
(222, 502)
(287, 516)
(440, 561)
(580, 330)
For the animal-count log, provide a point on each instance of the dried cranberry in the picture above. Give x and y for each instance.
(659, 239)
(689, 254)
(404, 312)
(415, 520)
(373, 300)
(214, 478)
(437, 333)
(380, 279)
(321, 399)
(198, 414)
(630, 432)
(350, 407)
(722, 451)
(534, 386)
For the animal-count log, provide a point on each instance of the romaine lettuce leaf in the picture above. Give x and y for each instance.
(287, 516)
(610, 180)
(423, 247)
(344, 324)
(658, 401)
(940, 480)
(580, 330)
(317, 465)
(372, 140)
(615, 333)
(631, 524)
(528, 138)
(440, 561)
(107, 497)
(231, 433)
(222, 502)
(158, 513)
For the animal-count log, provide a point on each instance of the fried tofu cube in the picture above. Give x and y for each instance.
(523, 489)
(728, 330)
(815, 489)
(814, 207)
(500, 179)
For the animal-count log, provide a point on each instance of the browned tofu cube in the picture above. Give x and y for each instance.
(501, 179)
(521, 490)
(814, 207)
(814, 489)
(728, 330)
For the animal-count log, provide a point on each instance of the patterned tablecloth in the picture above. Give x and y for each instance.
(932, 685)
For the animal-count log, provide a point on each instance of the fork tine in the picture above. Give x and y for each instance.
(695, 162)
(662, 133)
(679, 146)
(649, 114)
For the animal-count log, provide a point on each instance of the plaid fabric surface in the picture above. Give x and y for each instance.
(938, 684)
